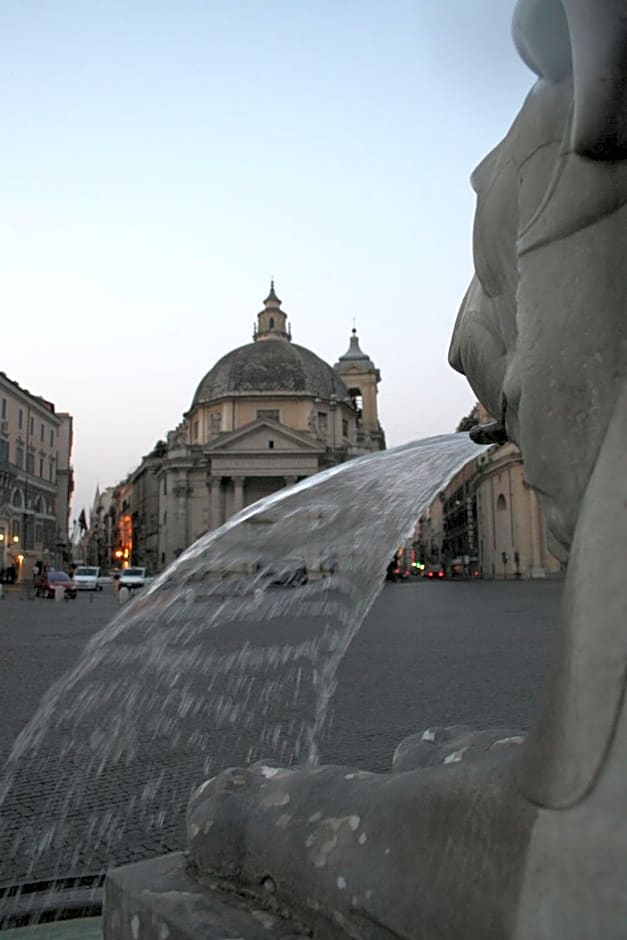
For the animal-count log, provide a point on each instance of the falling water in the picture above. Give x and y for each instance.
(230, 655)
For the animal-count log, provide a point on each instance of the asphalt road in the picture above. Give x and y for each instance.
(427, 655)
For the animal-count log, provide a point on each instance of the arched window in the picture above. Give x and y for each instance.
(501, 503)
(39, 505)
(271, 323)
(17, 499)
(357, 399)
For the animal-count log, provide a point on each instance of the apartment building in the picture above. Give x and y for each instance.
(36, 480)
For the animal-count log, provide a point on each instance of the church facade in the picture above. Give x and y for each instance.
(267, 414)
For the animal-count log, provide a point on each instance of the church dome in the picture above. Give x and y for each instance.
(274, 365)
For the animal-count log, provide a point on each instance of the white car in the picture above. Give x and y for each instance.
(86, 578)
(132, 578)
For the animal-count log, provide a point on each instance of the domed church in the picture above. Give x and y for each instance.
(266, 415)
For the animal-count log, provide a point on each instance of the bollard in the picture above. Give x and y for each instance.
(123, 595)
(59, 593)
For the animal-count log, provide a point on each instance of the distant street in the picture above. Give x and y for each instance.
(429, 654)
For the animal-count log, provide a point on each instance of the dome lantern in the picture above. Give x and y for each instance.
(272, 321)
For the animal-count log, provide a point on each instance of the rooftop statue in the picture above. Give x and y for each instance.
(472, 835)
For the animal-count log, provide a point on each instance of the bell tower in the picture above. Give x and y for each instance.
(272, 321)
(361, 377)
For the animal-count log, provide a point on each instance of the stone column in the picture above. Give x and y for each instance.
(215, 502)
(181, 493)
(238, 494)
(537, 568)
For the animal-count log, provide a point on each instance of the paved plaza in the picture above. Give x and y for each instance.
(428, 654)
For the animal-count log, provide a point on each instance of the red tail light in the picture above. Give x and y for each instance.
(440, 574)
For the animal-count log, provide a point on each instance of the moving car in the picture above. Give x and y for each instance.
(434, 572)
(46, 583)
(87, 577)
(132, 578)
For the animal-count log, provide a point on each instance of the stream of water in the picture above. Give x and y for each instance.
(231, 655)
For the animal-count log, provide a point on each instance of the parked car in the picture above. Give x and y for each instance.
(45, 584)
(87, 578)
(291, 572)
(396, 572)
(132, 578)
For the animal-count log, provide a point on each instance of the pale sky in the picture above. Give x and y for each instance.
(163, 159)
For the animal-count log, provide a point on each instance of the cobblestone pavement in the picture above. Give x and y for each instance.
(428, 654)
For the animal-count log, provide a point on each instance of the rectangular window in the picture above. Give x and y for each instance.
(20, 419)
(42, 431)
(269, 414)
(19, 456)
(4, 409)
(39, 535)
(216, 422)
(31, 426)
(195, 430)
(51, 470)
(41, 467)
(323, 422)
(4, 450)
(52, 437)
(30, 462)
(344, 427)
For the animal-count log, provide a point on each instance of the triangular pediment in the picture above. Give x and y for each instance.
(263, 435)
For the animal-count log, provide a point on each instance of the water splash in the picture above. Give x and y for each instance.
(231, 655)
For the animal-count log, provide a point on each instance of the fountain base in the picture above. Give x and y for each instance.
(164, 899)
(296, 853)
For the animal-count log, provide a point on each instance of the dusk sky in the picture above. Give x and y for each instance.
(161, 161)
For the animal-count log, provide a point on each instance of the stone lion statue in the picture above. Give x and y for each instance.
(473, 835)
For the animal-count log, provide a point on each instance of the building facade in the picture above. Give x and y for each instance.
(265, 416)
(513, 538)
(96, 545)
(487, 521)
(36, 480)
